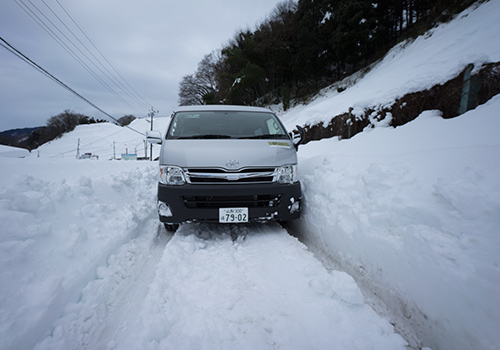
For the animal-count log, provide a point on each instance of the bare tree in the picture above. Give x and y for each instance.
(126, 120)
(63, 122)
(201, 87)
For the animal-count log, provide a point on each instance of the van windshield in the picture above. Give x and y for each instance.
(225, 125)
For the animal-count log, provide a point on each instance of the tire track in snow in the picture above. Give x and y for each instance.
(132, 290)
(111, 300)
(251, 287)
(219, 287)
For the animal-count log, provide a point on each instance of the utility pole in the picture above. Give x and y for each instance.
(78, 150)
(152, 113)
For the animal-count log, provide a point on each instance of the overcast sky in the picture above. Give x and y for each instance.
(152, 44)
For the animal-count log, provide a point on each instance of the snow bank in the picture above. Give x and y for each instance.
(413, 213)
(85, 264)
(55, 233)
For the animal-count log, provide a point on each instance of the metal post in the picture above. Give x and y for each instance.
(151, 146)
(151, 113)
(466, 89)
(350, 123)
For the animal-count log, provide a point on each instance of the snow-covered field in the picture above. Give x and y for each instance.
(406, 222)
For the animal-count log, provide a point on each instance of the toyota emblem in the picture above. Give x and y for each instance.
(232, 164)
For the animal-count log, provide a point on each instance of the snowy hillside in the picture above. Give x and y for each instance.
(412, 66)
(106, 140)
(405, 220)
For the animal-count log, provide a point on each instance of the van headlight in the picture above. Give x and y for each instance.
(172, 175)
(286, 174)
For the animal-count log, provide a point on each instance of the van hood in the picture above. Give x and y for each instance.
(231, 154)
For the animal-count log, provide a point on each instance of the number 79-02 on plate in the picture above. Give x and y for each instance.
(230, 215)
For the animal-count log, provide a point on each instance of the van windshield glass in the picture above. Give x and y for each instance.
(225, 125)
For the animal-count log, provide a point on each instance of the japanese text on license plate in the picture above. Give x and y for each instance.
(229, 215)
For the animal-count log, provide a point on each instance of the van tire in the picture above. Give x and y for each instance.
(171, 227)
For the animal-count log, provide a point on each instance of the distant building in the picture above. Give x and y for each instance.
(132, 156)
(89, 156)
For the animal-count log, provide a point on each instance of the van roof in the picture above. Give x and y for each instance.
(223, 108)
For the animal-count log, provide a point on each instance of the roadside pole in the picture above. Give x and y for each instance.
(151, 113)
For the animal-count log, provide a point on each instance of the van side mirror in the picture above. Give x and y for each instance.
(298, 138)
(154, 137)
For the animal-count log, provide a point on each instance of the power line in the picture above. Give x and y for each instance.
(111, 76)
(47, 28)
(145, 103)
(26, 59)
(57, 33)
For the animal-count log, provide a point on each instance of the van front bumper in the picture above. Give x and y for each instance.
(201, 203)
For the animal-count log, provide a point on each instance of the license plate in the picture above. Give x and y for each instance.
(229, 215)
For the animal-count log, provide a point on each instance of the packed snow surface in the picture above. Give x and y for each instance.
(250, 287)
(85, 264)
(406, 221)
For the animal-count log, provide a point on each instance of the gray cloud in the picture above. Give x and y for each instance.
(151, 43)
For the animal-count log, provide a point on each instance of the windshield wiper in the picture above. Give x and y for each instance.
(266, 136)
(207, 136)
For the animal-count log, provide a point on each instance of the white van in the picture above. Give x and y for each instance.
(226, 164)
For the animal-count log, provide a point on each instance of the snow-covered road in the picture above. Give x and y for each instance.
(219, 287)
(85, 264)
(411, 213)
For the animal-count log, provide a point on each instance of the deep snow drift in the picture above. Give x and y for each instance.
(412, 214)
(55, 233)
(85, 264)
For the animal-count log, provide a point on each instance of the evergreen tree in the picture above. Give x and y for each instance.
(307, 45)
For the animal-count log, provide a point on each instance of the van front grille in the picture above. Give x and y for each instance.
(250, 201)
(217, 175)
